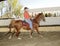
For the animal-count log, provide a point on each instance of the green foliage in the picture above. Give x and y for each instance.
(16, 7)
(17, 10)
(46, 15)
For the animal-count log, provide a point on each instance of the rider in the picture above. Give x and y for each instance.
(27, 17)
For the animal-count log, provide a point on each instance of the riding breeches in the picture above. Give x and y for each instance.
(29, 22)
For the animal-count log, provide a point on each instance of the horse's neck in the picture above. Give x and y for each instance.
(35, 21)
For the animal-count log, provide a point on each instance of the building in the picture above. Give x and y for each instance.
(53, 10)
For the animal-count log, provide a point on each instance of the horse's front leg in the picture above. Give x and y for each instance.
(38, 32)
(31, 33)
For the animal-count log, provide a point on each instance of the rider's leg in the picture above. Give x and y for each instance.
(31, 26)
(30, 23)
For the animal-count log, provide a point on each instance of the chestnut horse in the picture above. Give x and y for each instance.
(18, 24)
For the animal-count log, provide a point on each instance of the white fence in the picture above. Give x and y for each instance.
(5, 22)
(49, 21)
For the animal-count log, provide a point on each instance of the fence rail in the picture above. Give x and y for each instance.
(50, 21)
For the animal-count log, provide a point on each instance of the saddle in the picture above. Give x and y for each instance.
(25, 23)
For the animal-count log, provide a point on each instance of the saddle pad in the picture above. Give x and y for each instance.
(25, 23)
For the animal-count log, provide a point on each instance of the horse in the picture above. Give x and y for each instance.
(18, 24)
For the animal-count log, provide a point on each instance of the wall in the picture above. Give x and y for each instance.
(49, 21)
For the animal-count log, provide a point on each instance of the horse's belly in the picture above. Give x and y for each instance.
(26, 27)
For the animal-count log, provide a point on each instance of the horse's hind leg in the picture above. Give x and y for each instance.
(10, 26)
(8, 31)
(18, 32)
(12, 34)
(5, 35)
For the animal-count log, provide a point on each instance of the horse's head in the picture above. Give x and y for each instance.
(39, 17)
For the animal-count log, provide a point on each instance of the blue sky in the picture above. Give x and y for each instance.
(40, 3)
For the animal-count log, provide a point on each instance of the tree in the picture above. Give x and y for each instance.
(12, 4)
(17, 10)
(15, 7)
(46, 15)
(1, 7)
(54, 14)
(49, 14)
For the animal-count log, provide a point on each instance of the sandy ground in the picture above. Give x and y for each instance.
(52, 28)
(51, 37)
(48, 39)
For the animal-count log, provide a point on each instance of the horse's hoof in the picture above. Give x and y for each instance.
(19, 38)
(9, 37)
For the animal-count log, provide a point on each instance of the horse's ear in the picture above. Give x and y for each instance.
(39, 13)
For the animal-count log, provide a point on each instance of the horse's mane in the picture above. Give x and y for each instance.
(37, 16)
